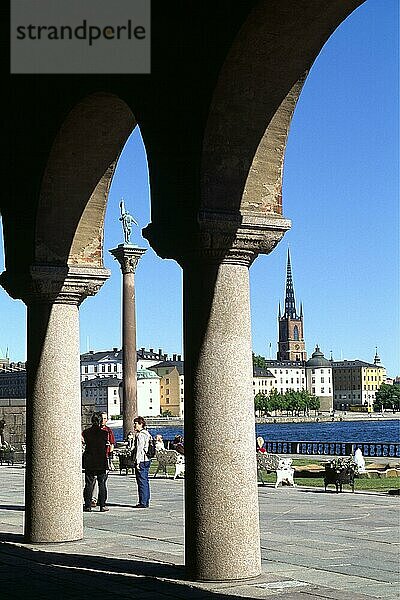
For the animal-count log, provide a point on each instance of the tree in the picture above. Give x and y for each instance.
(259, 402)
(259, 361)
(274, 401)
(388, 396)
(314, 403)
(291, 401)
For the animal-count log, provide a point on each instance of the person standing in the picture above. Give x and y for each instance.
(159, 442)
(95, 463)
(260, 445)
(177, 444)
(110, 449)
(142, 462)
(111, 439)
(130, 440)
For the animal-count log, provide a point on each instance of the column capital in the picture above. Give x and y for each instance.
(49, 284)
(236, 238)
(239, 238)
(128, 256)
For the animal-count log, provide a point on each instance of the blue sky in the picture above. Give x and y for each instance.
(341, 191)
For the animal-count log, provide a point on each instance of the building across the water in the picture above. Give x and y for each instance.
(356, 382)
(107, 363)
(172, 395)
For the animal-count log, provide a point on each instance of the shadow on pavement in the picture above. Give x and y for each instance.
(47, 574)
(12, 507)
(17, 538)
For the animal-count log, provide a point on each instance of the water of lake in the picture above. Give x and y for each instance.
(338, 431)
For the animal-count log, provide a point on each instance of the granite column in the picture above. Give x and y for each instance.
(53, 485)
(128, 257)
(221, 508)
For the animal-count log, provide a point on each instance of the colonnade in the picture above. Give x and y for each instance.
(222, 524)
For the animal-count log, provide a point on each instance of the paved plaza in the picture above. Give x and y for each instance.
(314, 545)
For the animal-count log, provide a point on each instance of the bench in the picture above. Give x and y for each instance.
(170, 458)
(7, 454)
(125, 461)
(270, 463)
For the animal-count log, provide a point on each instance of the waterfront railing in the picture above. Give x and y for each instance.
(370, 449)
(381, 449)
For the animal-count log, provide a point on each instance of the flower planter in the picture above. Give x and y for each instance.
(339, 472)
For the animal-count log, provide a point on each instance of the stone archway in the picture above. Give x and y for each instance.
(67, 267)
(75, 185)
(211, 118)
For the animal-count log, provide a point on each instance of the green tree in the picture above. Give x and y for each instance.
(314, 403)
(291, 402)
(259, 361)
(259, 402)
(274, 401)
(388, 396)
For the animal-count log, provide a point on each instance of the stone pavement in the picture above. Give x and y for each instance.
(315, 545)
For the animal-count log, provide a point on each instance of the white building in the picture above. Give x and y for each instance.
(148, 393)
(109, 362)
(105, 394)
(288, 375)
(263, 381)
(320, 379)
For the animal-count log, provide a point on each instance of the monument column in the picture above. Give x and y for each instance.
(222, 536)
(128, 257)
(53, 481)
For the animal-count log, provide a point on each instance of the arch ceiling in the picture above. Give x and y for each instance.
(214, 115)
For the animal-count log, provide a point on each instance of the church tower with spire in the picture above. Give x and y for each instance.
(291, 344)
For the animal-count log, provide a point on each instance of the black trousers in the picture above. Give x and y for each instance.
(90, 477)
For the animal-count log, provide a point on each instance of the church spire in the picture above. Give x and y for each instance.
(377, 360)
(290, 302)
(291, 345)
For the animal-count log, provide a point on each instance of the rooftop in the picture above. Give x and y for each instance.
(165, 364)
(318, 359)
(116, 354)
(259, 372)
(146, 374)
(102, 382)
(274, 364)
(342, 364)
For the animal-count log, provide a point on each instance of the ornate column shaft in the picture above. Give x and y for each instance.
(128, 257)
(53, 487)
(222, 519)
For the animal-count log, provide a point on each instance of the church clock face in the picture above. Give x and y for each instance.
(297, 347)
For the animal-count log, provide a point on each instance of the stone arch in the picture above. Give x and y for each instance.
(76, 181)
(254, 99)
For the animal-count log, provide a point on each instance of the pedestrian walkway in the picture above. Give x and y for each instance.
(315, 545)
